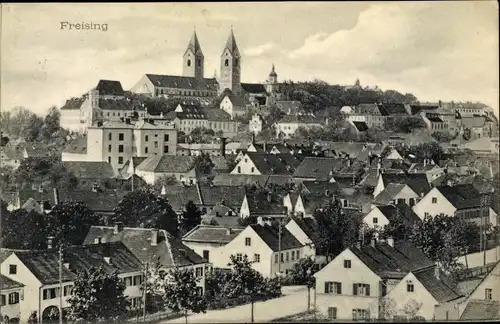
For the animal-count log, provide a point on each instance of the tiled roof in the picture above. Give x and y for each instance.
(109, 87)
(116, 104)
(215, 114)
(307, 225)
(220, 210)
(477, 310)
(301, 119)
(169, 251)
(402, 211)
(392, 262)
(239, 179)
(238, 102)
(188, 112)
(440, 289)
(415, 109)
(167, 163)
(211, 234)
(367, 109)
(461, 196)
(253, 87)
(416, 181)
(389, 192)
(104, 201)
(312, 202)
(282, 148)
(135, 161)
(229, 195)
(258, 204)
(7, 283)
(78, 145)
(360, 126)
(320, 168)
(179, 196)
(473, 122)
(45, 266)
(220, 163)
(319, 187)
(182, 82)
(225, 221)
(420, 167)
(268, 164)
(393, 109)
(270, 236)
(90, 170)
(73, 104)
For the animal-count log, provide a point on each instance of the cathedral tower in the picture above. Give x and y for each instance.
(272, 81)
(193, 64)
(230, 66)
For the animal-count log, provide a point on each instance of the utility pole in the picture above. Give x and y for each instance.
(60, 284)
(144, 292)
(484, 204)
(279, 247)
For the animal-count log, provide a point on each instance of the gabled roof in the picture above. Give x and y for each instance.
(194, 45)
(259, 204)
(211, 234)
(422, 168)
(389, 192)
(32, 205)
(477, 310)
(367, 109)
(268, 164)
(169, 251)
(307, 225)
(392, 262)
(416, 181)
(44, 265)
(110, 87)
(167, 164)
(118, 104)
(442, 289)
(78, 146)
(254, 88)
(461, 196)
(393, 109)
(322, 169)
(270, 236)
(73, 104)
(320, 187)
(216, 114)
(237, 101)
(90, 170)
(7, 283)
(360, 126)
(401, 211)
(220, 163)
(183, 82)
(313, 202)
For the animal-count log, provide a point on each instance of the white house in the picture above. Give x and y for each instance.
(255, 125)
(399, 193)
(160, 166)
(260, 242)
(351, 285)
(380, 216)
(416, 181)
(12, 293)
(233, 105)
(304, 230)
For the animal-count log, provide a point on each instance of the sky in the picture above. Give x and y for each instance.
(435, 50)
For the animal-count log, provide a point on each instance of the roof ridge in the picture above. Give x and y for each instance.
(169, 246)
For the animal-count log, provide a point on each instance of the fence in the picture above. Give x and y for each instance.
(477, 259)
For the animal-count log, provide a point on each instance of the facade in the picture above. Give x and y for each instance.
(160, 166)
(256, 123)
(233, 105)
(12, 293)
(289, 124)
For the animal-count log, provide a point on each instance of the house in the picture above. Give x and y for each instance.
(288, 125)
(264, 204)
(89, 173)
(38, 271)
(256, 124)
(11, 156)
(306, 205)
(221, 215)
(206, 241)
(270, 249)
(417, 182)
(160, 166)
(328, 169)
(266, 164)
(351, 285)
(427, 286)
(304, 230)
(370, 114)
(346, 110)
(399, 193)
(152, 245)
(170, 86)
(483, 145)
(381, 216)
(12, 293)
(481, 310)
(459, 201)
(233, 105)
(429, 167)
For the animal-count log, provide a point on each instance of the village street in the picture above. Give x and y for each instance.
(294, 300)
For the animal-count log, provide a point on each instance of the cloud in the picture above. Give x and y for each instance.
(259, 50)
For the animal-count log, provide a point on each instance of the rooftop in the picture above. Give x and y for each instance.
(211, 234)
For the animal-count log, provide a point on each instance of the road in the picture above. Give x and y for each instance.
(294, 300)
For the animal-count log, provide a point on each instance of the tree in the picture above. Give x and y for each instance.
(404, 124)
(203, 164)
(411, 308)
(22, 229)
(51, 122)
(97, 296)
(181, 293)
(246, 221)
(387, 308)
(34, 127)
(336, 230)
(144, 208)
(299, 271)
(191, 217)
(69, 223)
(45, 171)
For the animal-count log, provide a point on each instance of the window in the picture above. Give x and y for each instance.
(137, 280)
(109, 148)
(226, 62)
(248, 241)
(375, 220)
(239, 257)
(199, 272)
(347, 264)
(68, 290)
(120, 160)
(256, 258)
(276, 258)
(426, 214)
(128, 281)
(156, 144)
(3, 301)
(298, 254)
(488, 293)
(361, 289)
(13, 298)
(188, 62)
(110, 137)
(282, 257)
(293, 255)
(206, 255)
(120, 148)
(146, 150)
(109, 159)
(252, 170)
(333, 287)
(360, 314)
(50, 293)
(121, 136)
(239, 169)
(410, 287)
(165, 137)
(287, 256)
(146, 138)
(199, 62)
(12, 269)
(434, 200)
(332, 312)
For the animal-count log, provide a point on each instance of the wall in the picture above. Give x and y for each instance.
(70, 119)
(11, 310)
(406, 193)
(143, 86)
(156, 141)
(65, 157)
(215, 253)
(375, 212)
(285, 266)
(245, 166)
(308, 250)
(442, 206)
(476, 259)
(346, 302)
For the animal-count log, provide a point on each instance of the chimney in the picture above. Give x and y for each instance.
(56, 197)
(390, 241)
(50, 240)
(228, 231)
(253, 138)
(97, 240)
(269, 197)
(108, 260)
(260, 221)
(66, 265)
(265, 147)
(223, 146)
(154, 237)
(118, 227)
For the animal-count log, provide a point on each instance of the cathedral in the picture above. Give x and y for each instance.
(194, 85)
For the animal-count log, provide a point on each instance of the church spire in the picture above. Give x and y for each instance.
(231, 42)
(273, 73)
(194, 44)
